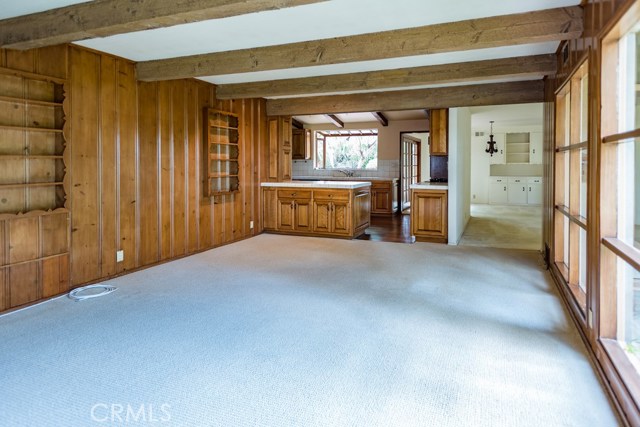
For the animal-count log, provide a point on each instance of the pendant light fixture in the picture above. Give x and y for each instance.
(491, 144)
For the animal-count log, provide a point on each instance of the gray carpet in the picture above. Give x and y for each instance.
(292, 331)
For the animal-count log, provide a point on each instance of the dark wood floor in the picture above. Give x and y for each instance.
(394, 228)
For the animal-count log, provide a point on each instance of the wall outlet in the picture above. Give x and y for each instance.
(474, 196)
(251, 224)
(119, 256)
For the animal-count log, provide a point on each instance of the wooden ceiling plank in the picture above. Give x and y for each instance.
(530, 67)
(381, 118)
(444, 97)
(497, 31)
(109, 17)
(335, 120)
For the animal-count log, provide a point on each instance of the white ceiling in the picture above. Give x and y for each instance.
(317, 119)
(506, 116)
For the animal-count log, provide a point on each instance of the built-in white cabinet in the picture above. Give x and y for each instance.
(517, 146)
(515, 190)
(535, 148)
(498, 191)
(534, 187)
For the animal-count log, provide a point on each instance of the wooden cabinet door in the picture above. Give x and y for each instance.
(341, 217)
(285, 165)
(303, 215)
(286, 215)
(381, 201)
(301, 144)
(438, 132)
(429, 214)
(322, 216)
(270, 209)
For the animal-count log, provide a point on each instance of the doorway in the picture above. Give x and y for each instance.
(414, 147)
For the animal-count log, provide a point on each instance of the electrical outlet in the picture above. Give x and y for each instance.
(250, 224)
(119, 256)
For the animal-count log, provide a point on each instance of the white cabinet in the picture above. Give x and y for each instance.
(517, 191)
(517, 146)
(498, 191)
(534, 187)
(535, 148)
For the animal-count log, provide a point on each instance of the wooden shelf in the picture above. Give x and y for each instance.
(30, 129)
(31, 184)
(22, 157)
(30, 101)
(223, 152)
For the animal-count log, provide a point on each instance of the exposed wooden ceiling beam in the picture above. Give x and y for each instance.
(531, 27)
(381, 118)
(524, 66)
(108, 17)
(444, 97)
(335, 120)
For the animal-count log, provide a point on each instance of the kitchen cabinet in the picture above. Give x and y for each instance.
(384, 197)
(301, 144)
(438, 132)
(535, 148)
(316, 211)
(498, 194)
(534, 196)
(517, 189)
(279, 166)
(429, 215)
(517, 147)
(294, 210)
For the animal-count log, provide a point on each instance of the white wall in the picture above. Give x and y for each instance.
(459, 172)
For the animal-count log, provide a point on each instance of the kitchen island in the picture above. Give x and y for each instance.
(429, 212)
(317, 208)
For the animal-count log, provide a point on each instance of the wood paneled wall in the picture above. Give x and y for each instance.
(135, 168)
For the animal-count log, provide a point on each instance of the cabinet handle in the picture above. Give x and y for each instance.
(529, 188)
(505, 188)
(293, 194)
(523, 189)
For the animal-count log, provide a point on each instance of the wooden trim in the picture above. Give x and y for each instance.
(496, 31)
(531, 67)
(576, 219)
(578, 146)
(379, 116)
(436, 98)
(621, 137)
(109, 17)
(623, 250)
(33, 76)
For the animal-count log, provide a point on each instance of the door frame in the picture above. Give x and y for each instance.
(403, 135)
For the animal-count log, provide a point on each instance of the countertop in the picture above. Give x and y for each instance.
(319, 184)
(430, 186)
(342, 178)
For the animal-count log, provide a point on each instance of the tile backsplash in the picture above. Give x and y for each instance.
(386, 169)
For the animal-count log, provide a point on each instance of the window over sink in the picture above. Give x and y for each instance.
(346, 149)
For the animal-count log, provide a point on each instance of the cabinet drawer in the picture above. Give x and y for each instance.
(497, 179)
(380, 185)
(331, 194)
(517, 180)
(294, 193)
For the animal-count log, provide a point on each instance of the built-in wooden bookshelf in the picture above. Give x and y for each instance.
(32, 144)
(222, 137)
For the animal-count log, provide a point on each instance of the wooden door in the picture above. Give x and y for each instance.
(341, 217)
(381, 200)
(301, 144)
(286, 214)
(322, 216)
(410, 167)
(285, 164)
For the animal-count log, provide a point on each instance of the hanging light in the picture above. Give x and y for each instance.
(491, 144)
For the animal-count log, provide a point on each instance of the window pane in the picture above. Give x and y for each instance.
(319, 152)
(629, 310)
(352, 152)
(583, 182)
(582, 282)
(629, 193)
(584, 110)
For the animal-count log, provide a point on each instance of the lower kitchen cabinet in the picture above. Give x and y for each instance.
(384, 197)
(324, 212)
(515, 190)
(429, 215)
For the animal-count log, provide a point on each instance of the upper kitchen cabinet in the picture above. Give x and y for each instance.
(524, 147)
(535, 148)
(438, 130)
(280, 148)
(301, 144)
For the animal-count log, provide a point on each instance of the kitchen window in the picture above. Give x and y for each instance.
(346, 149)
